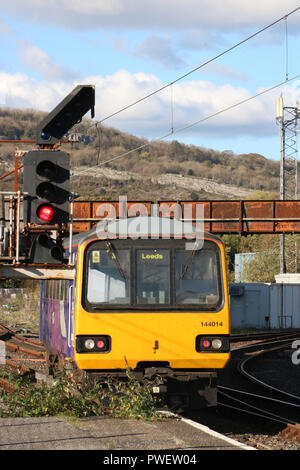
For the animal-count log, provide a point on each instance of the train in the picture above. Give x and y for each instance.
(156, 304)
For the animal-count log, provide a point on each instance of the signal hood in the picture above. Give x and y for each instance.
(66, 114)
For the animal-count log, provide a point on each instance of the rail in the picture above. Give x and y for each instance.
(257, 397)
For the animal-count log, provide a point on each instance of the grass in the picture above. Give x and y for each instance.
(22, 309)
(113, 398)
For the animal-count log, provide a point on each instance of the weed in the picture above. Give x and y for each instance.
(127, 399)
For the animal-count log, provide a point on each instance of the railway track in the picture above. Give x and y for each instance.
(18, 350)
(256, 406)
(257, 397)
(247, 337)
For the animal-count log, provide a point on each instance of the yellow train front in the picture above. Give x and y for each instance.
(157, 305)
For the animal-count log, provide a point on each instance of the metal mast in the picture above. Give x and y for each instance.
(287, 117)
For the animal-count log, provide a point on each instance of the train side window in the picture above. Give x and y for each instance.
(66, 289)
(53, 290)
(62, 290)
(152, 276)
(46, 289)
(58, 294)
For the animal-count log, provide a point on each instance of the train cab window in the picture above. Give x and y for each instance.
(108, 276)
(196, 275)
(50, 289)
(152, 276)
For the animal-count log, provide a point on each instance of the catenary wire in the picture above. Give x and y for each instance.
(188, 126)
(285, 17)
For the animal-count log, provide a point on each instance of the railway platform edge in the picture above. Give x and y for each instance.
(106, 434)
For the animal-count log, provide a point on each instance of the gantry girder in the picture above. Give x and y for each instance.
(220, 217)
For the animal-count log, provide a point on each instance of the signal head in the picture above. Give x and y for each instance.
(45, 213)
(47, 184)
(46, 170)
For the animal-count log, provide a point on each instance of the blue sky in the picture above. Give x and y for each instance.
(129, 48)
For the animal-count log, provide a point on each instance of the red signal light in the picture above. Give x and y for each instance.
(45, 213)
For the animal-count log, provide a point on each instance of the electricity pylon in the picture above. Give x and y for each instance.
(287, 117)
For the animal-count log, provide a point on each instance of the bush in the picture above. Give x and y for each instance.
(127, 399)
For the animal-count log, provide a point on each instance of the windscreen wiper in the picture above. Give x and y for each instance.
(115, 258)
(189, 260)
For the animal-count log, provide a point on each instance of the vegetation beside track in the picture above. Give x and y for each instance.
(65, 396)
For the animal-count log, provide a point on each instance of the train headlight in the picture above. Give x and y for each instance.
(216, 343)
(89, 344)
(93, 344)
(212, 343)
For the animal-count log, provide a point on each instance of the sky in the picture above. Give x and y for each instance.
(131, 48)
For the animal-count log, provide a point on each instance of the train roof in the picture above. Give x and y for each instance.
(142, 226)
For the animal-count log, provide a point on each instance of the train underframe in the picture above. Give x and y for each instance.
(182, 389)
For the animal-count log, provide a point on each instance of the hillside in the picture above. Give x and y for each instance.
(159, 170)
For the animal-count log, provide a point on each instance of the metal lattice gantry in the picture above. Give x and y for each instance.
(287, 118)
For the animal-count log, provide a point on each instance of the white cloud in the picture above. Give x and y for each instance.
(193, 100)
(157, 14)
(38, 60)
(20, 91)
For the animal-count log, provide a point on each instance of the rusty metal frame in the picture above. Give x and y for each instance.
(242, 217)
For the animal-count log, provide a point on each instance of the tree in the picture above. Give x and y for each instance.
(262, 268)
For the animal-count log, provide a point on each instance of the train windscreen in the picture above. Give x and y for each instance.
(123, 273)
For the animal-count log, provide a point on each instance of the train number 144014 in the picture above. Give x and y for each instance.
(212, 323)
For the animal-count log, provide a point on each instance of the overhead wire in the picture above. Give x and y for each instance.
(285, 17)
(181, 129)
